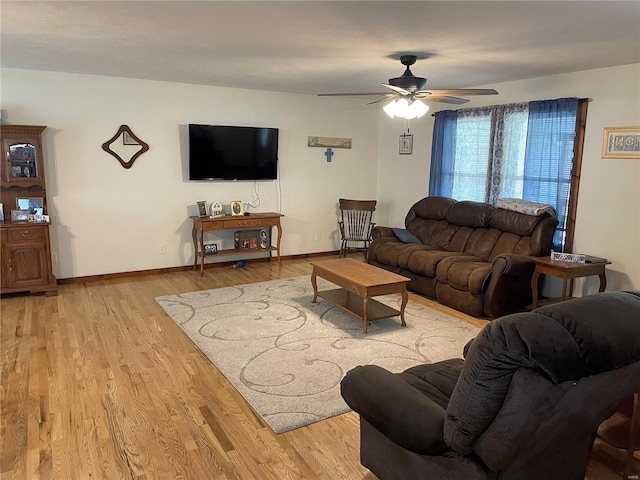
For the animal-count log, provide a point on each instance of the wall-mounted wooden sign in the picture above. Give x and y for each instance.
(332, 142)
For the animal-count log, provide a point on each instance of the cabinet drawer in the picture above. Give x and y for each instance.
(27, 232)
(250, 222)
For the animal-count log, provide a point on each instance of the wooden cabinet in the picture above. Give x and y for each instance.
(25, 246)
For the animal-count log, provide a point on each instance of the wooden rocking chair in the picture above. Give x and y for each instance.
(356, 225)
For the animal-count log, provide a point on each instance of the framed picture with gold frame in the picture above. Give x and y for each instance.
(621, 142)
(237, 208)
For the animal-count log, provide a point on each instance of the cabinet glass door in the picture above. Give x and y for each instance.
(22, 160)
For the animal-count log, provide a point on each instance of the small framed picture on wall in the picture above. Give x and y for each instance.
(406, 144)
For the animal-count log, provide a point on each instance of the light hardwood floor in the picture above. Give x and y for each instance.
(99, 383)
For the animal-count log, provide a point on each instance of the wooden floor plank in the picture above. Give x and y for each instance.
(98, 382)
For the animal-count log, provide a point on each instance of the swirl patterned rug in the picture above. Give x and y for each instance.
(287, 356)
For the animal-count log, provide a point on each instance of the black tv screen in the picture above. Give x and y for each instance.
(218, 152)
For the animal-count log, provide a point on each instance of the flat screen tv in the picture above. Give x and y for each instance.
(218, 152)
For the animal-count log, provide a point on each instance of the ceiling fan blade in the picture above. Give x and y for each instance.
(444, 99)
(460, 91)
(401, 91)
(388, 97)
(350, 94)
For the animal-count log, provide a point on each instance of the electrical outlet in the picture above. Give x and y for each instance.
(163, 249)
(54, 257)
(317, 237)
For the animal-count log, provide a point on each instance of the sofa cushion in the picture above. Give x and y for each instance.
(425, 262)
(469, 276)
(485, 243)
(470, 214)
(405, 236)
(515, 222)
(442, 272)
(430, 207)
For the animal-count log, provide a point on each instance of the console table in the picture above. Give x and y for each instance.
(228, 222)
(567, 271)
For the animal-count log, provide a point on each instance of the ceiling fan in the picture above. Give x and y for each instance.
(407, 90)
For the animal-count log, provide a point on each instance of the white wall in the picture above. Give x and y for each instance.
(109, 219)
(608, 217)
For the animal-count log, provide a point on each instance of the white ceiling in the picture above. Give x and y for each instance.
(319, 47)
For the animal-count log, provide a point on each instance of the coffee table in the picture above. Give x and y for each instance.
(360, 282)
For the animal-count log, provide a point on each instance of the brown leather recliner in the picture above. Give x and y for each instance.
(471, 256)
(525, 403)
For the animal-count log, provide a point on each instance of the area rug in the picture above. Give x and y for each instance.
(287, 356)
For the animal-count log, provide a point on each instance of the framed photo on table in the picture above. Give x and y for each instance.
(621, 142)
(29, 203)
(406, 144)
(202, 209)
(237, 208)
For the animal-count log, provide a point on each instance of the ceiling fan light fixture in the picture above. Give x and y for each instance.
(418, 109)
(403, 109)
(402, 105)
(390, 108)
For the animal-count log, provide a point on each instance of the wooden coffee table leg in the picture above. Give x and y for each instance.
(314, 284)
(365, 303)
(405, 300)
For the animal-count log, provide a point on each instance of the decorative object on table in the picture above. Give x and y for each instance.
(286, 355)
(202, 208)
(210, 248)
(237, 208)
(567, 257)
(621, 142)
(31, 204)
(406, 144)
(128, 139)
(215, 210)
(19, 215)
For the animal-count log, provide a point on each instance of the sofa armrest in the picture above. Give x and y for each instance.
(399, 411)
(379, 232)
(509, 288)
(512, 264)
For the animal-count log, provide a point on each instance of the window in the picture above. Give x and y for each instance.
(523, 150)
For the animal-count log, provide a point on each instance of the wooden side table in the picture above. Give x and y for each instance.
(567, 271)
(228, 222)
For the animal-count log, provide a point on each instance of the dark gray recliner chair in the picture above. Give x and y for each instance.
(524, 404)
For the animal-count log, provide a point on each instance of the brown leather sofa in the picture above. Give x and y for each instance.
(525, 404)
(471, 256)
